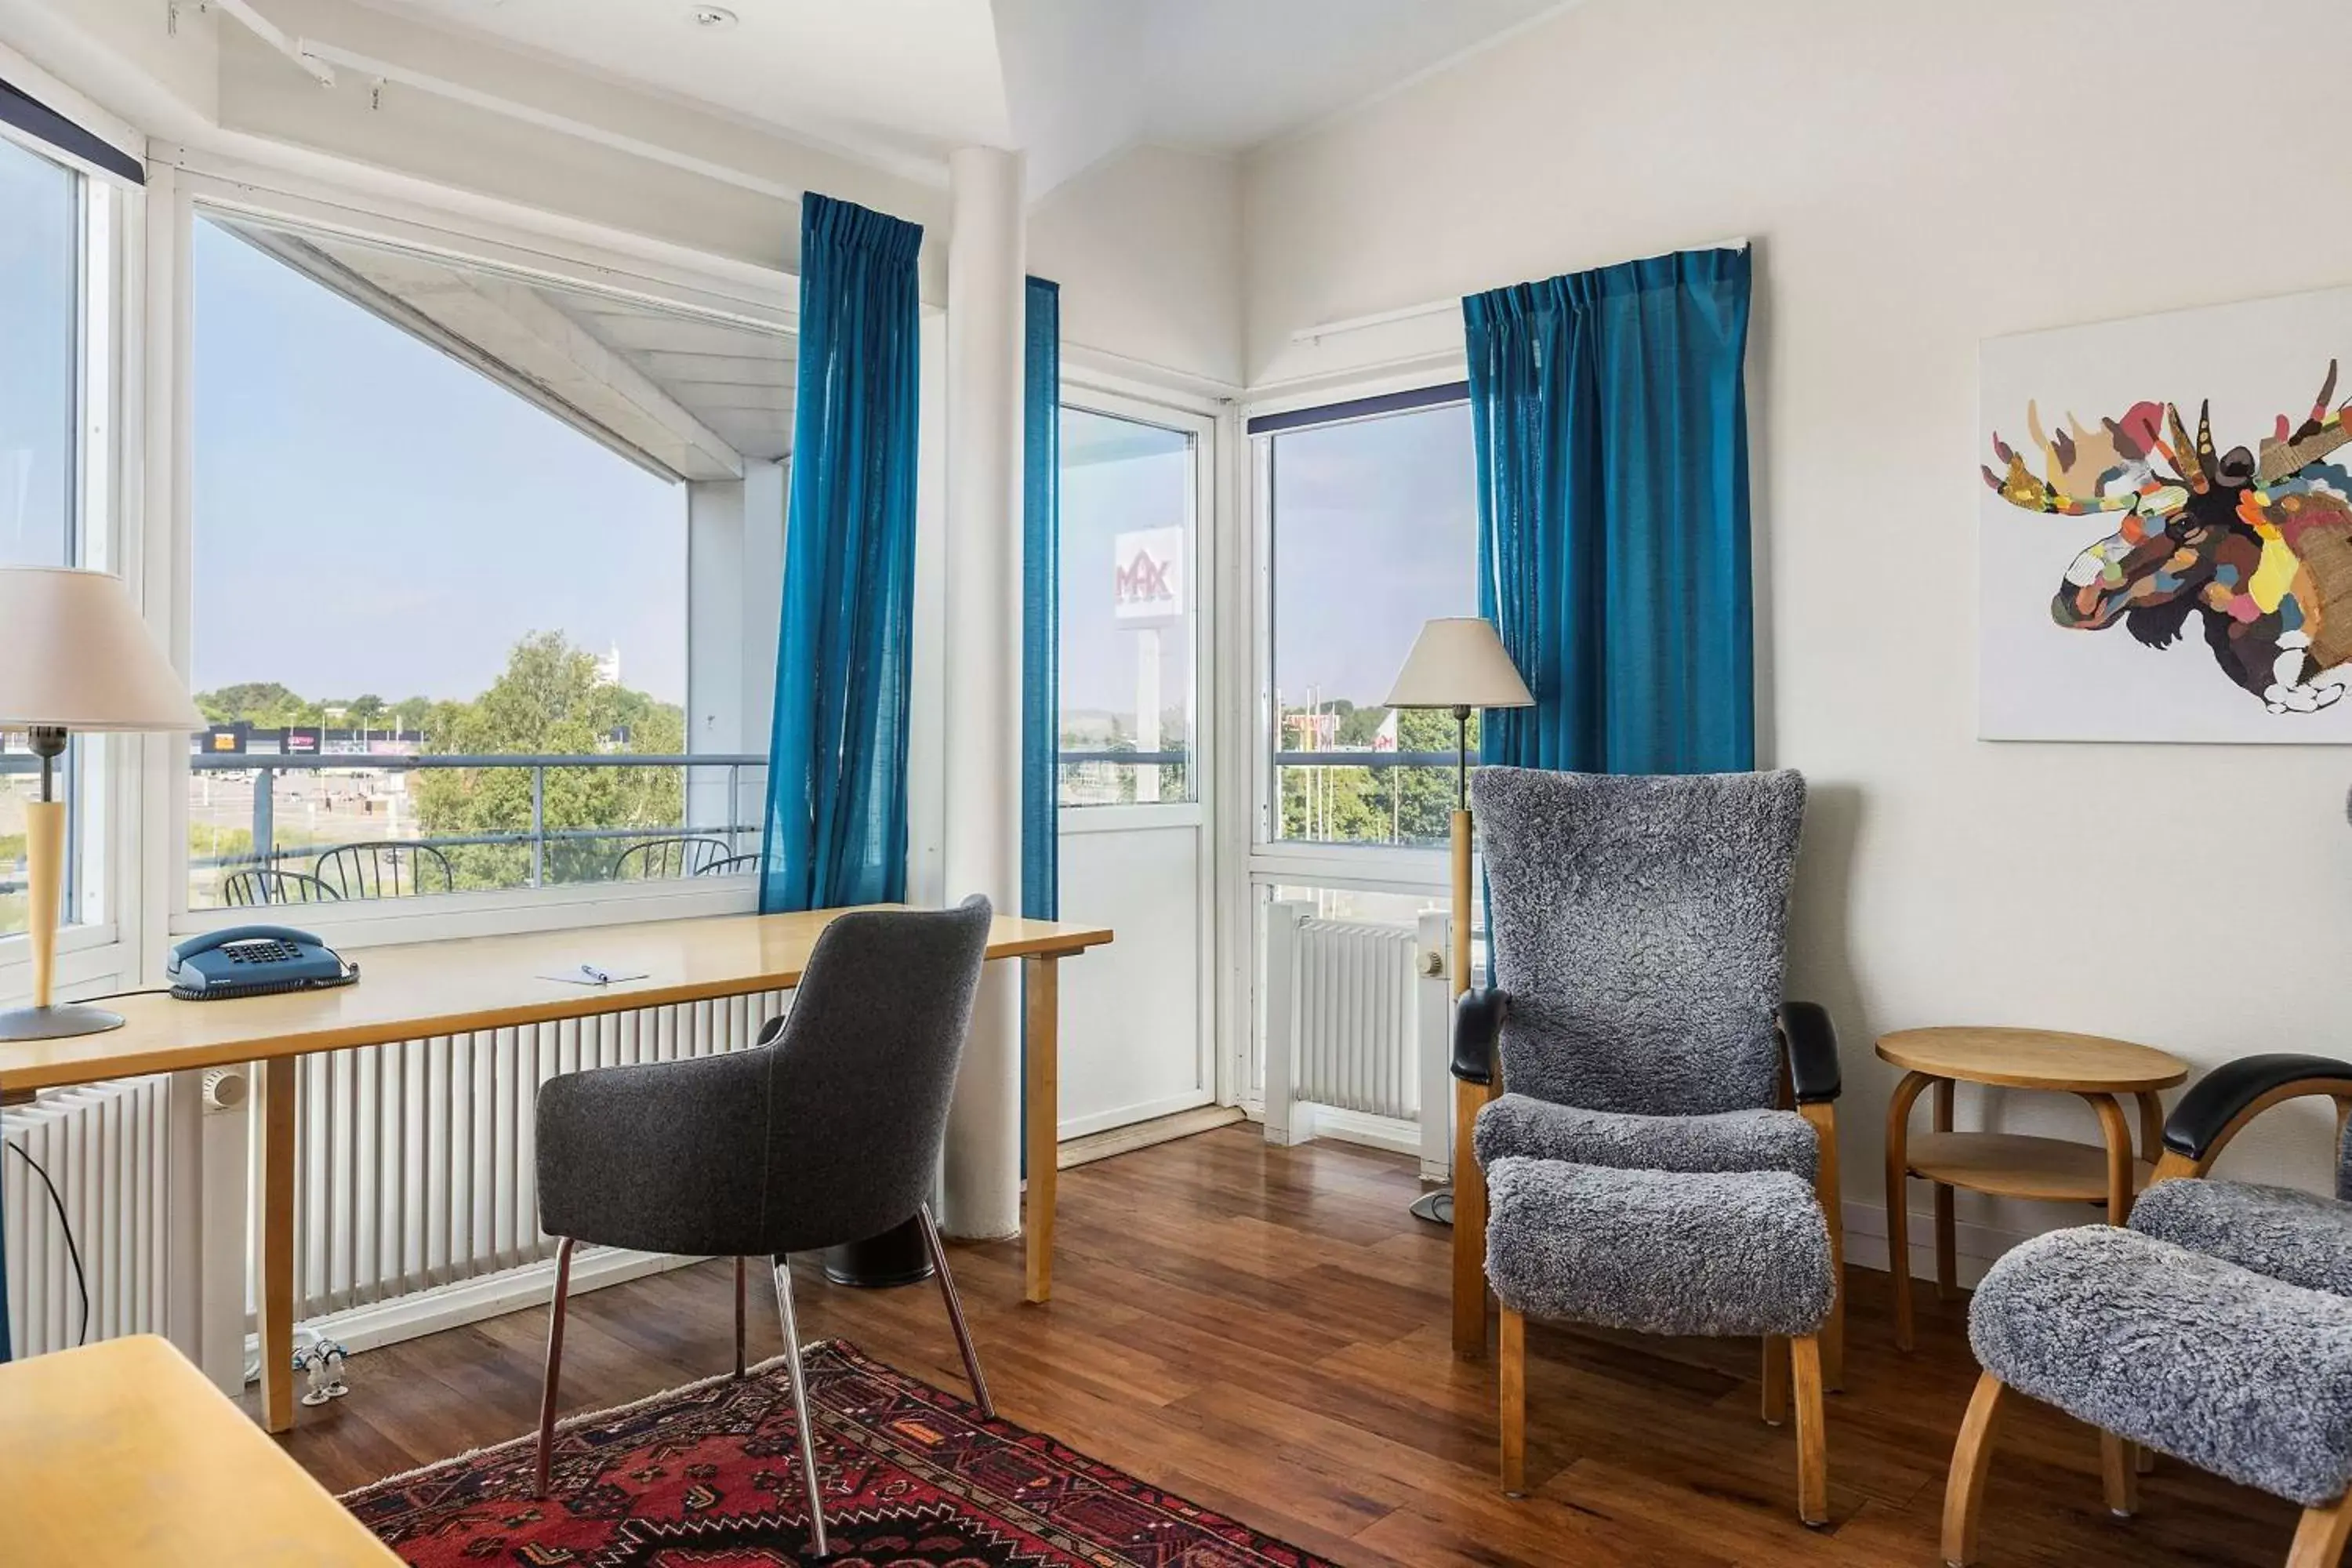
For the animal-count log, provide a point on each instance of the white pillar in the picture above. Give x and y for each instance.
(983, 669)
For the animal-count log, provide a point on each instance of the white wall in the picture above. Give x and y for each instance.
(1147, 247)
(1915, 178)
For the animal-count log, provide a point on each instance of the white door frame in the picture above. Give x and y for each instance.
(1197, 419)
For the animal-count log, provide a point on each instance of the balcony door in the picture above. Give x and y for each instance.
(1133, 778)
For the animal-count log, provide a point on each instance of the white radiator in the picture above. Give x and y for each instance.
(1355, 1023)
(416, 1165)
(104, 1147)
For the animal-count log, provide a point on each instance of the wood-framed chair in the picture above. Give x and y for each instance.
(667, 858)
(2236, 1298)
(385, 869)
(270, 885)
(1639, 932)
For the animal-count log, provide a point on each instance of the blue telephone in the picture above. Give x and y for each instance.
(254, 960)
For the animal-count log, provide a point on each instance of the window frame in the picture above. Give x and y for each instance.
(100, 772)
(686, 282)
(1272, 860)
(1200, 579)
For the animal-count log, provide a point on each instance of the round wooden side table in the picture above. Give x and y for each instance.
(2011, 1164)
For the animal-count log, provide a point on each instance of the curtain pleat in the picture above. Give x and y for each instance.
(1610, 412)
(836, 810)
(1040, 617)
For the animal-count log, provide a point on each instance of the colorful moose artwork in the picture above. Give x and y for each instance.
(2256, 545)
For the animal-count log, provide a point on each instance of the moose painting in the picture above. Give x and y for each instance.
(2164, 575)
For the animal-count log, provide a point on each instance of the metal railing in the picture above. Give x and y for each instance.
(265, 851)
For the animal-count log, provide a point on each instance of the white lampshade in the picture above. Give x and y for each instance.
(1459, 662)
(74, 655)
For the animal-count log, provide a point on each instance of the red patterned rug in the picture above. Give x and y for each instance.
(707, 1477)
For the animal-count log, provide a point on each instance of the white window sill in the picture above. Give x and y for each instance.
(387, 922)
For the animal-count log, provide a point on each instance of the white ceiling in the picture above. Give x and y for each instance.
(914, 76)
(1070, 81)
(693, 396)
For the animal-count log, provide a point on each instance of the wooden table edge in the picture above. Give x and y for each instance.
(2174, 1075)
(572, 1002)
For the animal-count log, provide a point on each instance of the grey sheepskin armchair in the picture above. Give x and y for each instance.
(2235, 1301)
(827, 1132)
(1653, 1124)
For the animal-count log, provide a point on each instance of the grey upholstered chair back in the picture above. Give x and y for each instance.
(1640, 930)
(864, 1065)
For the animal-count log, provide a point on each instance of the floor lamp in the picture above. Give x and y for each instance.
(1459, 663)
(76, 656)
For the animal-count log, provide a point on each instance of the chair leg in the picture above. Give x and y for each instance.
(1972, 1462)
(2320, 1539)
(817, 1547)
(1776, 1379)
(1813, 1435)
(955, 1314)
(739, 1318)
(554, 1373)
(1512, 1364)
(2118, 1475)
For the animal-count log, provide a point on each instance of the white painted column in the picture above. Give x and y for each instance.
(982, 850)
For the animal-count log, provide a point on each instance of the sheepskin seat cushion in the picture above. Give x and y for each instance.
(1660, 1252)
(1726, 1141)
(2234, 1372)
(1639, 927)
(2297, 1237)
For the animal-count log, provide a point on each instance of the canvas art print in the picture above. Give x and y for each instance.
(2166, 535)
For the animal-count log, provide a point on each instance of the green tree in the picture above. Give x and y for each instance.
(1346, 805)
(265, 703)
(411, 713)
(549, 700)
(366, 709)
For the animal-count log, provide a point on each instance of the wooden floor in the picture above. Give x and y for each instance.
(1264, 1331)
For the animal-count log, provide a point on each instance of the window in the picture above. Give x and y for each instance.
(55, 261)
(1127, 611)
(1372, 530)
(440, 523)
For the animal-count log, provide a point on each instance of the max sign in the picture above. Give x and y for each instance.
(1148, 575)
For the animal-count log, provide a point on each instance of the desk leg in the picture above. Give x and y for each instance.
(2117, 1132)
(277, 1293)
(1898, 1224)
(1947, 1234)
(1041, 1044)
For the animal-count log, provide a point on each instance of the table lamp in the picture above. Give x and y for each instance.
(1460, 663)
(78, 656)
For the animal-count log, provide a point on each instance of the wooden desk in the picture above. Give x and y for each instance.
(451, 987)
(2011, 1164)
(121, 1453)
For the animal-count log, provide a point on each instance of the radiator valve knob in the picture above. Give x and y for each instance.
(1433, 963)
(224, 1089)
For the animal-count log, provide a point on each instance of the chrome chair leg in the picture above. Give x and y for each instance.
(739, 1319)
(555, 1364)
(800, 1405)
(955, 1313)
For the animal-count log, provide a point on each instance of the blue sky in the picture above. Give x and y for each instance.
(372, 516)
(1375, 530)
(36, 326)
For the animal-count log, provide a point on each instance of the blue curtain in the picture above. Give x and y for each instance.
(1040, 600)
(1609, 410)
(836, 817)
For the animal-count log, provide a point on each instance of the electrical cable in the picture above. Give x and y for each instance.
(116, 995)
(65, 1226)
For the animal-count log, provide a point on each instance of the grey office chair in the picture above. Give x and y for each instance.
(828, 1131)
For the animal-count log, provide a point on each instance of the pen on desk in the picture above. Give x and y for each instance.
(596, 974)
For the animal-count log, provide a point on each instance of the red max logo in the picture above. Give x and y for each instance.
(1144, 579)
